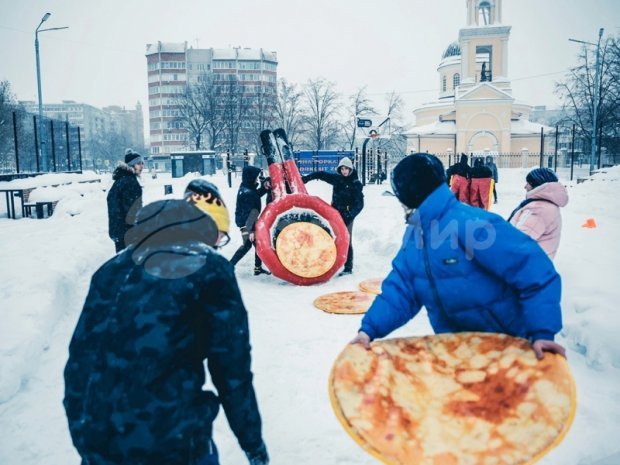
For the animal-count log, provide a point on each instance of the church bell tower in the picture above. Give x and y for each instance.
(484, 45)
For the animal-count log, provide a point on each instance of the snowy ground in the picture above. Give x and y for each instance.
(47, 264)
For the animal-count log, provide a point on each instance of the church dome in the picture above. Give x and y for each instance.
(453, 50)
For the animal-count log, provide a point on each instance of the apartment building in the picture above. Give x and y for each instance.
(171, 67)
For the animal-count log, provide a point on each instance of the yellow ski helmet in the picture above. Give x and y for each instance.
(205, 195)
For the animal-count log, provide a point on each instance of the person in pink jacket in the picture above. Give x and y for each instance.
(538, 215)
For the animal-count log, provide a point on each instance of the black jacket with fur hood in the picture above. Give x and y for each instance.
(124, 201)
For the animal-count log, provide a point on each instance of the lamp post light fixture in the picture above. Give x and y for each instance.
(597, 85)
(42, 151)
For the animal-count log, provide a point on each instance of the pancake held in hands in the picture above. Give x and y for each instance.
(453, 399)
(372, 286)
(306, 249)
(349, 302)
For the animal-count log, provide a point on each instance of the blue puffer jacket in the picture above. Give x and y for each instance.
(472, 270)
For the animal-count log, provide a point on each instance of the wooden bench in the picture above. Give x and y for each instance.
(27, 206)
(39, 208)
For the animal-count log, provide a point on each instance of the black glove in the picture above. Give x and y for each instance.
(258, 456)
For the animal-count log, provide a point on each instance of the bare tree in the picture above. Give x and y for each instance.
(577, 93)
(195, 113)
(289, 110)
(393, 126)
(234, 108)
(201, 112)
(7, 106)
(107, 148)
(360, 106)
(322, 104)
(263, 113)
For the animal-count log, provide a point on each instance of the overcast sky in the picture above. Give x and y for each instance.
(388, 45)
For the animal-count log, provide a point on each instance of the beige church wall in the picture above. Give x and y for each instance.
(430, 144)
(482, 130)
(531, 143)
(448, 71)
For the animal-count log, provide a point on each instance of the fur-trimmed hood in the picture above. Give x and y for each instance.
(123, 169)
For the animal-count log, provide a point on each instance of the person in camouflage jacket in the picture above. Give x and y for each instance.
(153, 314)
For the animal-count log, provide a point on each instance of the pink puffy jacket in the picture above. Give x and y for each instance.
(541, 220)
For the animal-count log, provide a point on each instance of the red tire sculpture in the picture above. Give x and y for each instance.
(292, 207)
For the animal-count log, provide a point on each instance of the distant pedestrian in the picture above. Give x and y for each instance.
(538, 215)
(481, 185)
(246, 213)
(347, 198)
(458, 179)
(491, 164)
(124, 198)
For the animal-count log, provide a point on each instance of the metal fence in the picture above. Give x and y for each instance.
(19, 148)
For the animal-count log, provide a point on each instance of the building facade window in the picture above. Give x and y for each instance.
(444, 83)
(456, 80)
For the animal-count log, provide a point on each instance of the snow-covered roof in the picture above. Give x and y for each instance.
(439, 127)
(524, 126)
(166, 47)
(224, 54)
(243, 54)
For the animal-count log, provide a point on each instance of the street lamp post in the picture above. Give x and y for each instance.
(597, 86)
(42, 151)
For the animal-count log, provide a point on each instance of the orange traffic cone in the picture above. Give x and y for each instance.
(590, 223)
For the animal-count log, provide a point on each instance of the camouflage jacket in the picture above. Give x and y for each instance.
(133, 381)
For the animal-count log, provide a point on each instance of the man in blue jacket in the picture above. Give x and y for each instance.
(470, 268)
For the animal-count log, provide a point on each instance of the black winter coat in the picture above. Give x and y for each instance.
(347, 196)
(248, 199)
(133, 381)
(481, 171)
(461, 168)
(124, 201)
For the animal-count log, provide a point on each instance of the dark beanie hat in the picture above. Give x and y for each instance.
(539, 176)
(415, 177)
(131, 157)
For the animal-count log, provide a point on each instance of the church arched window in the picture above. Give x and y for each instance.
(456, 80)
(444, 84)
(484, 13)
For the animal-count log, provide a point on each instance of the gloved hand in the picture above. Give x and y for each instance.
(258, 456)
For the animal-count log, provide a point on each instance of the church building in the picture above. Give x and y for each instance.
(476, 111)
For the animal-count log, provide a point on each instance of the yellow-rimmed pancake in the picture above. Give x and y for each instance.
(453, 399)
(306, 249)
(372, 286)
(349, 302)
